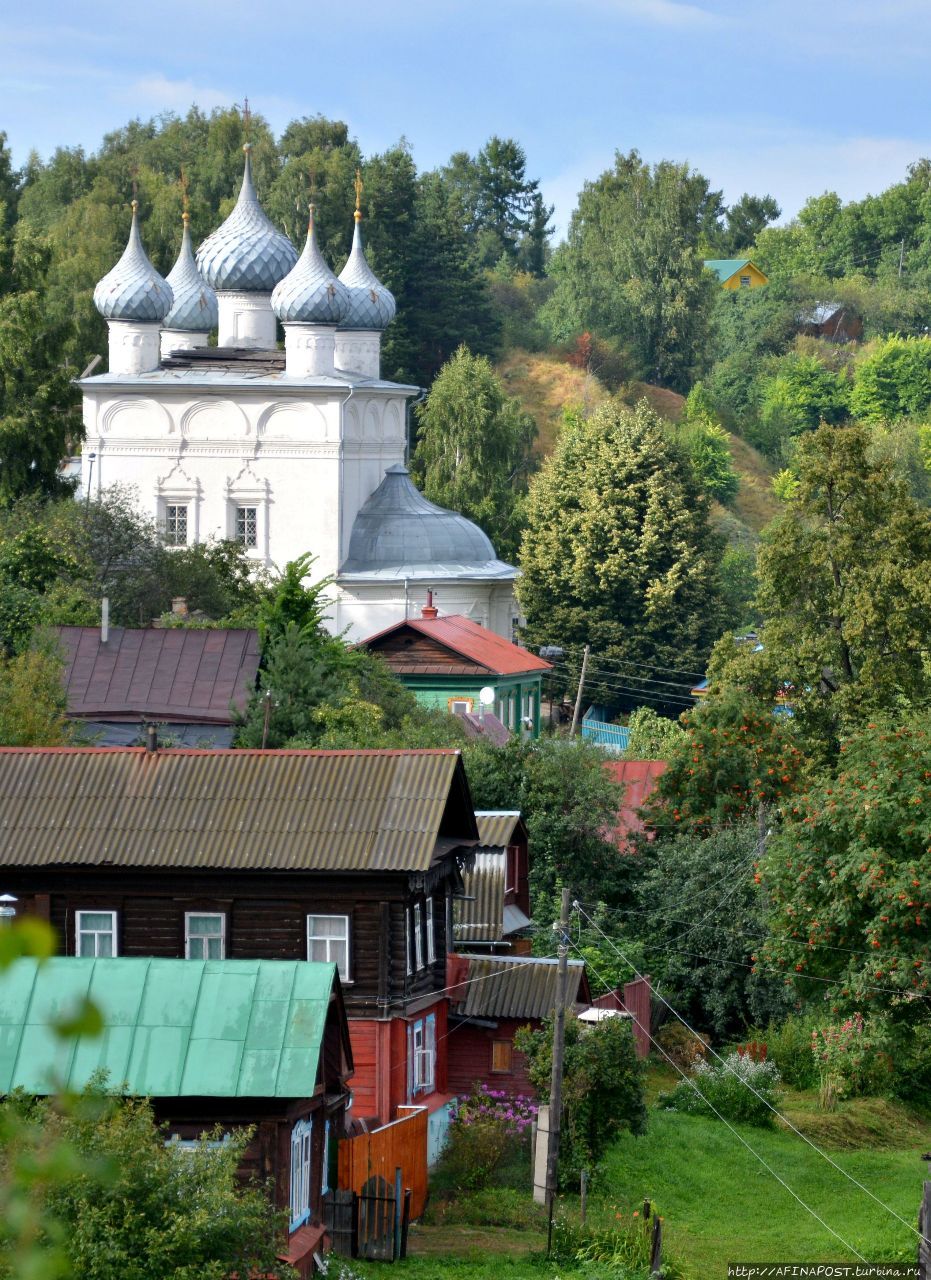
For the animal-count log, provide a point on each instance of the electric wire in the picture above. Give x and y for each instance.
(833, 1163)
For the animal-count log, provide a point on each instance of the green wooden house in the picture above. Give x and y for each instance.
(447, 662)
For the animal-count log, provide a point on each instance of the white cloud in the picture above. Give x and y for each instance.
(158, 93)
(664, 13)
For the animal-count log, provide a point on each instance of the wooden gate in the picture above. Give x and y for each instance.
(339, 1215)
(399, 1145)
(377, 1233)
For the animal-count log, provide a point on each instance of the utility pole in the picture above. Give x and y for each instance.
(266, 718)
(578, 696)
(559, 1030)
(901, 257)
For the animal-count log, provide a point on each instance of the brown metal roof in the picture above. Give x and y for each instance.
(496, 827)
(185, 674)
(253, 810)
(515, 987)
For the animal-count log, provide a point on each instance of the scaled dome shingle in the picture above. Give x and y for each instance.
(310, 293)
(371, 304)
(247, 254)
(195, 308)
(133, 289)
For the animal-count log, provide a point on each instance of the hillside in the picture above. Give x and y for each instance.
(546, 385)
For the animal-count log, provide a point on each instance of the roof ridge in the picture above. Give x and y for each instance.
(236, 751)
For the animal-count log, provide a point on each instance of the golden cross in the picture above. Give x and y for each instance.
(246, 116)
(358, 185)
(184, 186)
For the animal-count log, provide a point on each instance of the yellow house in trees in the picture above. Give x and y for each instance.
(736, 273)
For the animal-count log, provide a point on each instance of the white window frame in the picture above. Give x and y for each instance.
(423, 1054)
(301, 1170)
(240, 515)
(328, 938)
(418, 936)
(96, 933)
(325, 1180)
(431, 938)
(246, 490)
(409, 931)
(216, 915)
(177, 506)
(458, 706)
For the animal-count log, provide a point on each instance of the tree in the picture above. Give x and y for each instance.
(701, 923)
(894, 381)
(849, 880)
(619, 553)
(500, 209)
(802, 393)
(652, 736)
(843, 589)
(570, 804)
(602, 1089)
(32, 700)
(474, 448)
(631, 268)
(744, 221)
(708, 447)
(121, 1201)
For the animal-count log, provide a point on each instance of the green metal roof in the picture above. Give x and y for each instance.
(172, 1028)
(724, 268)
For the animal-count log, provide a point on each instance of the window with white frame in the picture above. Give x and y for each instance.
(418, 935)
(421, 1039)
(95, 933)
(176, 524)
(328, 940)
(431, 937)
(204, 935)
(301, 1136)
(325, 1182)
(247, 527)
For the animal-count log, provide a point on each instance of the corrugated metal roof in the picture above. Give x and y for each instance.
(496, 827)
(172, 673)
(173, 1028)
(480, 916)
(253, 810)
(514, 987)
(470, 640)
(724, 268)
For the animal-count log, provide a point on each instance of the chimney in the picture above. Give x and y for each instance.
(104, 620)
(179, 606)
(429, 611)
(151, 739)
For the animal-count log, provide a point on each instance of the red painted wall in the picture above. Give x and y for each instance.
(469, 1058)
(379, 1051)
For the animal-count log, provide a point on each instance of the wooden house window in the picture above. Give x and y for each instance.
(510, 869)
(95, 933)
(418, 936)
(431, 935)
(301, 1148)
(460, 706)
(328, 940)
(745, 282)
(204, 936)
(421, 1039)
(502, 1056)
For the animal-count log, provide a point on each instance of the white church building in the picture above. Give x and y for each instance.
(293, 451)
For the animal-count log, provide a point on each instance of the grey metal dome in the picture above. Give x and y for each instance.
(371, 305)
(310, 293)
(133, 290)
(247, 254)
(398, 529)
(194, 309)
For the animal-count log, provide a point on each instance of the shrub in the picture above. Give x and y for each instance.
(851, 1060)
(624, 1246)
(727, 1088)
(486, 1130)
(789, 1047)
(682, 1047)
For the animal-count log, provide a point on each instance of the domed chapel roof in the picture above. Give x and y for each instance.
(247, 253)
(398, 532)
(194, 309)
(133, 289)
(371, 304)
(310, 293)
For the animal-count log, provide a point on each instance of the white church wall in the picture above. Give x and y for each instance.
(367, 609)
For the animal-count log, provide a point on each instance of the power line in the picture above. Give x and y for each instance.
(764, 1100)
(632, 662)
(690, 1081)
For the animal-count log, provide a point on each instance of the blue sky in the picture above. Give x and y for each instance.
(792, 97)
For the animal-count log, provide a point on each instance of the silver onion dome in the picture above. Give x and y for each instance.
(247, 254)
(133, 290)
(371, 305)
(310, 293)
(194, 309)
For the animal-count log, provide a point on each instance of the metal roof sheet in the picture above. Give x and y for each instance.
(639, 779)
(172, 1028)
(724, 268)
(468, 639)
(191, 674)
(496, 827)
(479, 917)
(514, 987)
(250, 810)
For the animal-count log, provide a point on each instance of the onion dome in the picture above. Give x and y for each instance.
(371, 305)
(311, 293)
(398, 532)
(133, 290)
(247, 254)
(194, 309)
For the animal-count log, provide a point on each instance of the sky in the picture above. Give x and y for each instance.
(787, 97)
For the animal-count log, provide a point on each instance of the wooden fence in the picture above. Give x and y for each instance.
(924, 1228)
(399, 1145)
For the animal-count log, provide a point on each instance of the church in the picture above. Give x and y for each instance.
(287, 452)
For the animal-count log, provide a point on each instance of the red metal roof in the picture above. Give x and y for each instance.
(185, 674)
(469, 639)
(638, 778)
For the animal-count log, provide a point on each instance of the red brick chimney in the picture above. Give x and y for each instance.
(429, 610)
